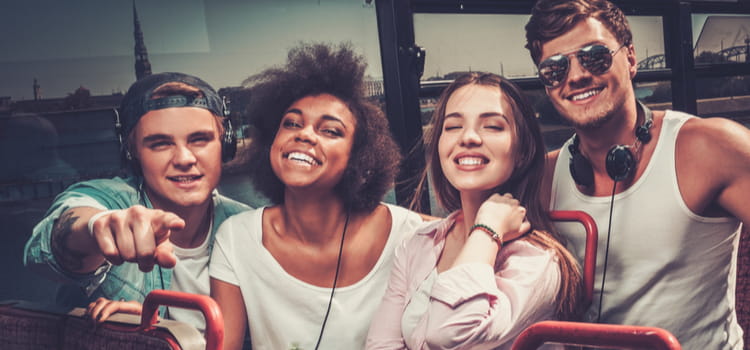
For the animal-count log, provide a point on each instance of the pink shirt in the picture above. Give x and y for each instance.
(472, 306)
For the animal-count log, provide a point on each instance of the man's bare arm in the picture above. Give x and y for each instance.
(136, 234)
(72, 245)
(713, 167)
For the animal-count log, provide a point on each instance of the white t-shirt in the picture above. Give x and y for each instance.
(190, 275)
(286, 313)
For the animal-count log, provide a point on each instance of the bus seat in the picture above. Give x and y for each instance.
(214, 333)
(25, 325)
(592, 236)
(593, 334)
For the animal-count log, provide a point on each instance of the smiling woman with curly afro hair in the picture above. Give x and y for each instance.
(309, 270)
(323, 69)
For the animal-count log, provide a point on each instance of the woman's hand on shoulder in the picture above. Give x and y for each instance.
(505, 215)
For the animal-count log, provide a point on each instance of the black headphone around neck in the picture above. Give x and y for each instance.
(620, 161)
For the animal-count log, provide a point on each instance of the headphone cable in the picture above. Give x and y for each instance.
(335, 279)
(606, 251)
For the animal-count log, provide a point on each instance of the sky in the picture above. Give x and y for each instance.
(492, 42)
(721, 32)
(67, 44)
(89, 43)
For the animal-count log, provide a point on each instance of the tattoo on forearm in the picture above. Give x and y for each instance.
(60, 232)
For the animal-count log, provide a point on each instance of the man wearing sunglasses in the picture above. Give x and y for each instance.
(668, 190)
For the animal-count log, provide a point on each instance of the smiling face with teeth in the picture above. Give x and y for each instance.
(313, 143)
(476, 142)
(179, 152)
(586, 100)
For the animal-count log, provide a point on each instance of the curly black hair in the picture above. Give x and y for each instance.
(311, 70)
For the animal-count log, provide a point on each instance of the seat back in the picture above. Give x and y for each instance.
(592, 237)
(25, 325)
(593, 334)
(211, 312)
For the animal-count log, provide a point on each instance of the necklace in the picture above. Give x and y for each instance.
(335, 279)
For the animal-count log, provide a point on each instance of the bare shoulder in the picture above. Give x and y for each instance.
(381, 214)
(713, 163)
(271, 214)
(549, 171)
(713, 167)
(713, 139)
(551, 157)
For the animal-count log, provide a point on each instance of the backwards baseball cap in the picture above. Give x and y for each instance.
(137, 101)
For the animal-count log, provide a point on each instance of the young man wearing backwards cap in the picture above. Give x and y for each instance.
(118, 238)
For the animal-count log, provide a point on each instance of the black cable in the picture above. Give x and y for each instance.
(606, 251)
(335, 279)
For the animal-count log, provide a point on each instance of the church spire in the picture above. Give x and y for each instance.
(142, 65)
(37, 90)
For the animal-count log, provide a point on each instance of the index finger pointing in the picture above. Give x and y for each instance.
(167, 223)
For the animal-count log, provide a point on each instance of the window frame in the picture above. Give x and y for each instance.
(401, 62)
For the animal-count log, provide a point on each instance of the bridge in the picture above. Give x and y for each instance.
(731, 54)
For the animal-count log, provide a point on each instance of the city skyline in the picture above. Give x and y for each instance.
(89, 43)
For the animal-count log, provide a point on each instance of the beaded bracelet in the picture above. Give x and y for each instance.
(486, 229)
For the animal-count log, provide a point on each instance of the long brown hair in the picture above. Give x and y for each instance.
(524, 183)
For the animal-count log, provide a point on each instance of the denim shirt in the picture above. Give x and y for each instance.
(116, 282)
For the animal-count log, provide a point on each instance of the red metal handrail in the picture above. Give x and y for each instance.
(592, 334)
(214, 319)
(592, 237)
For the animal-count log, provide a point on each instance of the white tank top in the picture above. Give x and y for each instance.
(668, 267)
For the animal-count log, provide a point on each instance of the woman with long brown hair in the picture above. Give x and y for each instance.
(495, 265)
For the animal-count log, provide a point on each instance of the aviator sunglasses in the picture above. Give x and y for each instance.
(595, 58)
